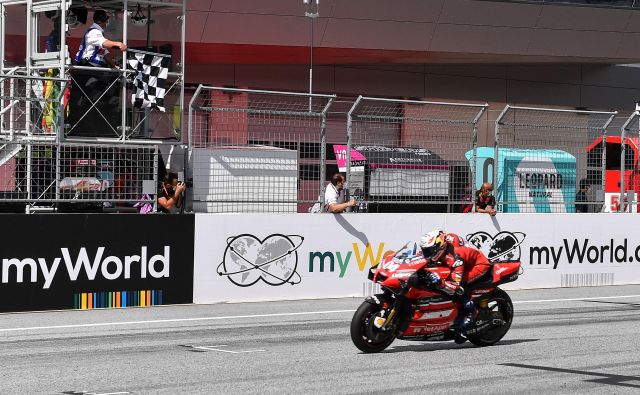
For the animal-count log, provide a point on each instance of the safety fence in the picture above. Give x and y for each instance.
(269, 151)
(409, 155)
(256, 151)
(549, 160)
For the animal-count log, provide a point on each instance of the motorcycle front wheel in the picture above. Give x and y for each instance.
(365, 335)
(501, 308)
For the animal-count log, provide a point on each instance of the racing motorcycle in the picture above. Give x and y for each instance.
(409, 310)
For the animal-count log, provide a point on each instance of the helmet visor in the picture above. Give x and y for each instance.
(431, 251)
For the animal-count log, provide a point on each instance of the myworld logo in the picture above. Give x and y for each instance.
(110, 267)
(363, 255)
(585, 251)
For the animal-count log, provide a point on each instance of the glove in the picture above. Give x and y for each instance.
(431, 278)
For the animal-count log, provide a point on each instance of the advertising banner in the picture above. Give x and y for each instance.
(87, 261)
(529, 180)
(274, 257)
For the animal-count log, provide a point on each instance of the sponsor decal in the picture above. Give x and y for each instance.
(504, 246)
(578, 251)
(85, 261)
(321, 261)
(273, 260)
(103, 267)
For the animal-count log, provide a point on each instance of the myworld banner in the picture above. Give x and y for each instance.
(253, 257)
(87, 261)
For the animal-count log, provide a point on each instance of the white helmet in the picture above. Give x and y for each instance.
(433, 245)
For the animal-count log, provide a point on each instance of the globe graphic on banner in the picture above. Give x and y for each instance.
(273, 260)
(505, 246)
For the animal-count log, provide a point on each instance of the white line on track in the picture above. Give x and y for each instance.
(231, 317)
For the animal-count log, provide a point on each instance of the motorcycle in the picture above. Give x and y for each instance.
(409, 310)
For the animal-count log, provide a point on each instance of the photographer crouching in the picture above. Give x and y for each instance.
(170, 193)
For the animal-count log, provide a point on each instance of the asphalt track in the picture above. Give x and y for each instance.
(580, 340)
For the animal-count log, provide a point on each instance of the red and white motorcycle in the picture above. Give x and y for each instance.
(420, 313)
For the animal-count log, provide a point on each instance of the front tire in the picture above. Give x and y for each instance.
(366, 336)
(501, 308)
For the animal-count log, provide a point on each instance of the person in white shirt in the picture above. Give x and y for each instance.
(93, 48)
(334, 196)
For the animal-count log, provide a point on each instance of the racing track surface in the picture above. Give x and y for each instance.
(555, 346)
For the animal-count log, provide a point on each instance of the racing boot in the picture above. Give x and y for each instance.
(468, 320)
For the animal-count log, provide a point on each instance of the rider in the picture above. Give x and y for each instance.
(467, 265)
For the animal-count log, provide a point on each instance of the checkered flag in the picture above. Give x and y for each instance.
(149, 81)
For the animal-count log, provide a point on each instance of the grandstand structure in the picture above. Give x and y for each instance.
(417, 104)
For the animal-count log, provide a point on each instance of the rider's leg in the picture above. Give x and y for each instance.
(467, 306)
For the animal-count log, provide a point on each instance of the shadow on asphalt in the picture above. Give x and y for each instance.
(450, 345)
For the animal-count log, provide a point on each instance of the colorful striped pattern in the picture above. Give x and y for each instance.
(116, 299)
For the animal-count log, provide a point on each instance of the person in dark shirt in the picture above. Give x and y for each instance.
(170, 193)
(485, 202)
(581, 197)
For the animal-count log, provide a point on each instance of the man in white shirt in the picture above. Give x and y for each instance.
(93, 48)
(334, 196)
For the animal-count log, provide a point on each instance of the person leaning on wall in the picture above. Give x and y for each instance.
(485, 202)
(334, 198)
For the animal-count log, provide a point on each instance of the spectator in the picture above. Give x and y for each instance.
(581, 197)
(93, 48)
(170, 193)
(485, 202)
(334, 196)
(467, 204)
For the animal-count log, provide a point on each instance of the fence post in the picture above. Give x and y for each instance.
(623, 152)
(349, 144)
(496, 152)
(474, 157)
(323, 150)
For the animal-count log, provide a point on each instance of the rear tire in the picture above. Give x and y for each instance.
(501, 308)
(366, 336)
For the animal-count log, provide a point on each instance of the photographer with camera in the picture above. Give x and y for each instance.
(170, 193)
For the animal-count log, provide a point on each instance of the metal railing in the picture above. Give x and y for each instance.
(98, 176)
(31, 107)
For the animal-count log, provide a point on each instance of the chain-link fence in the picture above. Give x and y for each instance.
(256, 151)
(629, 181)
(409, 155)
(77, 176)
(548, 160)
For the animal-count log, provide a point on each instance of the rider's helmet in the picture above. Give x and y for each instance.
(433, 245)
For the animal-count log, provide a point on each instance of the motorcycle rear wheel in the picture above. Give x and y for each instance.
(502, 308)
(366, 336)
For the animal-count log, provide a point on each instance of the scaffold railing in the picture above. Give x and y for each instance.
(77, 177)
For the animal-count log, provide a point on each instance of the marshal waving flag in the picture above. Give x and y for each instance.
(151, 73)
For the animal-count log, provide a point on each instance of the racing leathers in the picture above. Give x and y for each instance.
(467, 265)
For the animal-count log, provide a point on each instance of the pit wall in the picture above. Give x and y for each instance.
(258, 257)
